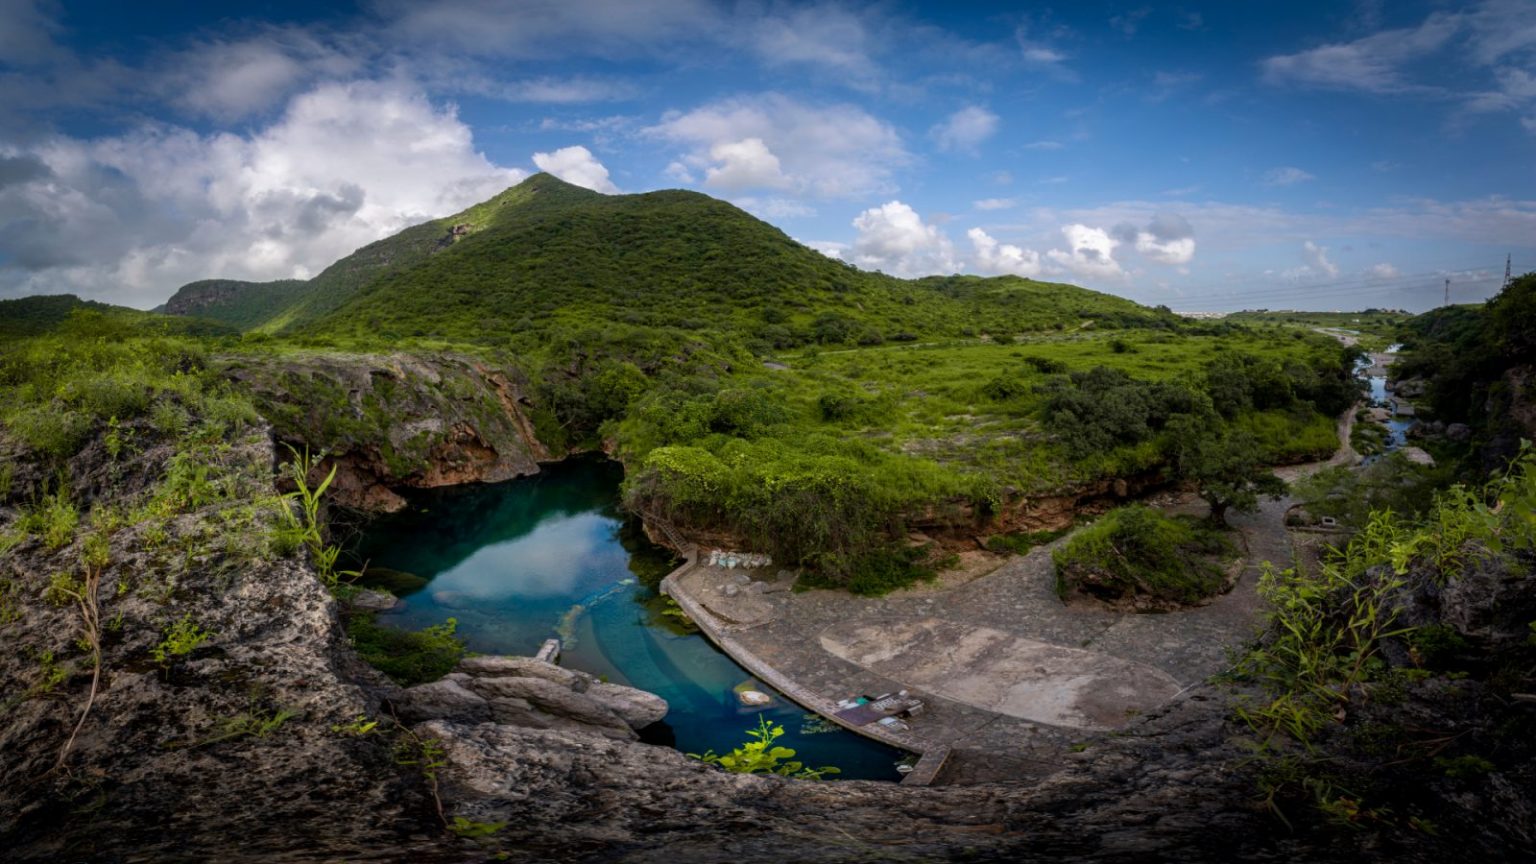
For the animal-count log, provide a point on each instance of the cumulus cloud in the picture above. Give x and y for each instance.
(1286, 175)
(576, 165)
(744, 164)
(1167, 239)
(131, 217)
(965, 129)
(893, 238)
(824, 151)
(992, 257)
(1317, 259)
(1090, 252)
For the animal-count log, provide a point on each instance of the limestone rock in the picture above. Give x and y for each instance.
(558, 701)
(497, 666)
(636, 707)
(446, 698)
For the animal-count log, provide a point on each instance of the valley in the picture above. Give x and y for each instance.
(203, 514)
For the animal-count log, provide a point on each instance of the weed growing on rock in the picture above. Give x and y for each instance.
(759, 755)
(179, 639)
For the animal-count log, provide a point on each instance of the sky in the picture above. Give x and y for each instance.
(1205, 156)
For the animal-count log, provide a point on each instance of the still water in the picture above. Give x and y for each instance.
(550, 555)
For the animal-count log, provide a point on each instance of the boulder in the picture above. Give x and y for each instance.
(445, 699)
(1458, 432)
(496, 666)
(557, 701)
(636, 707)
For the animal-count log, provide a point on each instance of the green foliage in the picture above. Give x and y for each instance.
(1324, 631)
(359, 727)
(409, 657)
(1228, 467)
(54, 520)
(256, 723)
(1350, 495)
(472, 830)
(1137, 551)
(759, 755)
(180, 638)
(305, 528)
(1021, 542)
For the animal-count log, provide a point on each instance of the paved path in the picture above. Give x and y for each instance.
(1011, 676)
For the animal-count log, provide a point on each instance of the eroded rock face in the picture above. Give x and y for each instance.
(397, 421)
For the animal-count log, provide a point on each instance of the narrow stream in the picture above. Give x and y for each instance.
(550, 555)
(1397, 426)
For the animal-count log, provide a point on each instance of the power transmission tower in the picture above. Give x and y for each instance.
(1506, 270)
(1447, 290)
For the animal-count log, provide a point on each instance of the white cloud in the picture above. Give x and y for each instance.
(829, 248)
(1167, 239)
(577, 165)
(894, 239)
(1317, 259)
(679, 172)
(1374, 64)
(231, 80)
(744, 164)
(1382, 271)
(965, 129)
(992, 257)
(536, 29)
(826, 151)
(994, 203)
(1286, 175)
(819, 36)
(132, 217)
(1090, 252)
(774, 207)
(546, 89)
(1044, 145)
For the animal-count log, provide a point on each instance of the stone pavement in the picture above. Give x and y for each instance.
(1010, 675)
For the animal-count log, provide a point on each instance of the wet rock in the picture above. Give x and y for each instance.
(753, 698)
(378, 601)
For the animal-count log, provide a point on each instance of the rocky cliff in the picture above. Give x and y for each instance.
(398, 421)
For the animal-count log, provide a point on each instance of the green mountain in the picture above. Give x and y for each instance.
(34, 316)
(546, 256)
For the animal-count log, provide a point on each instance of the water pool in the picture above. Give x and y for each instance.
(550, 555)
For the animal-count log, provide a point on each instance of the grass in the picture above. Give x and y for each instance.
(408, 657)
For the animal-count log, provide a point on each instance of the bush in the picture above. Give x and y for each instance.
(1136, 551)
(408, 657)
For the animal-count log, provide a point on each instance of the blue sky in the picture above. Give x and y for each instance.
(1206, 156)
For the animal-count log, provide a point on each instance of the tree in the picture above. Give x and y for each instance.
(1225, 464)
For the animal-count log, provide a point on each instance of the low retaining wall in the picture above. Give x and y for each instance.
(931, 754)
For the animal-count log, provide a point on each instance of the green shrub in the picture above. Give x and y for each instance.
(1138, 551)
(409, 657)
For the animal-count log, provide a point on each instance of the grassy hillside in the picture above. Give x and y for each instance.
(546, 258)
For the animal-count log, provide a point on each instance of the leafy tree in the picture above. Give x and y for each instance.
(1226, 465)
